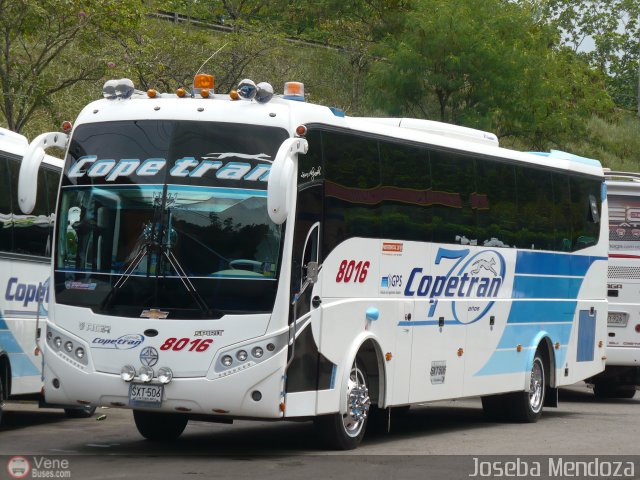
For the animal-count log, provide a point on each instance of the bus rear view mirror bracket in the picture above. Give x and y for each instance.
(28, 179)
(281, 186)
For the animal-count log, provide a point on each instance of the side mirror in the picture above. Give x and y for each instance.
(28, 179)
(281, 185)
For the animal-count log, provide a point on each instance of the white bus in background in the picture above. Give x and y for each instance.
(622, 372)
(220, 257)
(25, 267)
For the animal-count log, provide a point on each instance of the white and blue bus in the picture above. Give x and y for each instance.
(220, 257)
(25, 267)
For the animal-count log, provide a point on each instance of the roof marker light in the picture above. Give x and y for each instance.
(181, 92)
(264, 92)
(234, 95)
(204, 93)
(247, 89)
(152, 93)
(294, 91)
(67, 126)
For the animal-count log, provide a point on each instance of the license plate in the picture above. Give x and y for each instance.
(617, 319)
(145, 395)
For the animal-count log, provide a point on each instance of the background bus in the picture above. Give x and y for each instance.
(25, 266)
(622, 371)
(424, 263)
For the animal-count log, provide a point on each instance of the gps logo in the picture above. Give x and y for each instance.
(391, 281)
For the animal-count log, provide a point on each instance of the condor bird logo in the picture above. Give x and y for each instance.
(484, 264)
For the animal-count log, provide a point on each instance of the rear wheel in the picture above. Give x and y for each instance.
(526, 407)
(159, 427)
(345, 431)
(611, 390)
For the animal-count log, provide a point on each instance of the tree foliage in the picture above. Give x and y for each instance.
(48, 46)
(490, 65)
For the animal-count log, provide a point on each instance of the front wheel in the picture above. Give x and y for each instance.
(158, 426)
(345, 431)
(527, 406)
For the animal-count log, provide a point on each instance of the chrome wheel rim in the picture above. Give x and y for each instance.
(536, 387)
(358, 403)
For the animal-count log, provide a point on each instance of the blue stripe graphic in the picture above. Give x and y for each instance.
(516, 334)
(546, 287)
(542, 311)
(21, 365)
(539, 263)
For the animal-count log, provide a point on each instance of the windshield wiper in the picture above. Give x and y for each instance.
(158, 242)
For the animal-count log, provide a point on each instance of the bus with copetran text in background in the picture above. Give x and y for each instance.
(25, 267)
(256, 256)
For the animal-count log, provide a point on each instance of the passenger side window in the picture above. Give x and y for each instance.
(405, 192)
(585, 211)
(6, 217)
(31, 232)
(496, 205)
(535, 203)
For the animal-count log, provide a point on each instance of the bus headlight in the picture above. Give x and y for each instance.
(68, 346)
(146, 374)
(241, 355)
(57, 342)
(257, 352)
(226, 360)
(80, 352)
(127, 373)
(165, 375)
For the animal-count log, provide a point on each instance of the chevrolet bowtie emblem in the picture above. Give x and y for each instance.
(154, 313)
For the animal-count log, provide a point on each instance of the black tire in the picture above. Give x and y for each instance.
(345, 432)
(496, 407)
(526, 407)
(159, 426)
(82, 412)
(612, 390)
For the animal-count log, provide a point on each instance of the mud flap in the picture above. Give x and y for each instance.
(551, 397)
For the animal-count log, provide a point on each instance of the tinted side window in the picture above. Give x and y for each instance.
(405, 192)
(586, 230)
(6, 219)
(535, 204)
(496, 204)
(31, 232)
(352, 188)
(52, 178)
(562, 212)
(453, 182)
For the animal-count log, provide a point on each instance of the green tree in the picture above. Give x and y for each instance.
(48, 46)
(490, 65)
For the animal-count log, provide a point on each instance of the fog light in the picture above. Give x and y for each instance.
(146, 374)
(242, 355)
(165, 375)
(57, 342)
(80, 352)
(68, 346)
(257, 352)
(256, 396)
(127, 373)
(227, 360)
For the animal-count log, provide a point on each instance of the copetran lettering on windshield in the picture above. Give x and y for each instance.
(186, 167)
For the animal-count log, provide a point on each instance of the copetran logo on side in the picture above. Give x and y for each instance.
(125, 342)
(477, 278)
(26, 292)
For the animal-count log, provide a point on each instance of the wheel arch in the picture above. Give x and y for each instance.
(368, 349)
(542, 342)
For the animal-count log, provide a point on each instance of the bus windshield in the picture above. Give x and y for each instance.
(170, 216)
